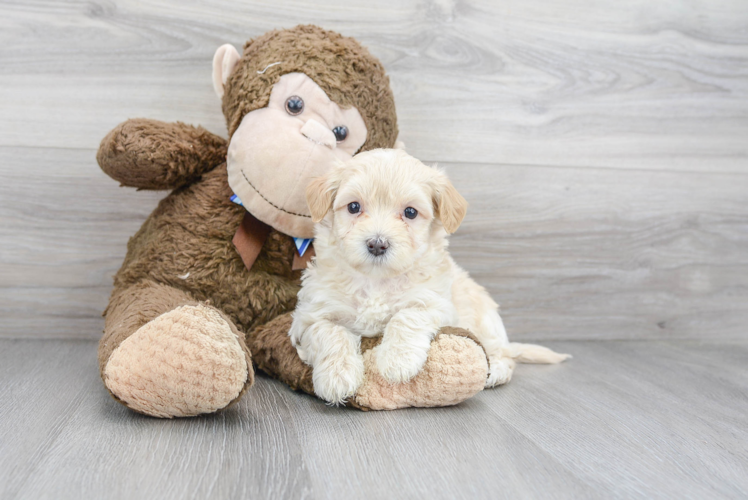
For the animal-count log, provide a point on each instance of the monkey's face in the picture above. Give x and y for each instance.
(277, 150)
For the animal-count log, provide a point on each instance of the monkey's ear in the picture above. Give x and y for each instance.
(450, 205)
(224, 62)
(320, 194)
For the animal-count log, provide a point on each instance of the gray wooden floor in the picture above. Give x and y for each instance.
(625, 419)
(603, 147)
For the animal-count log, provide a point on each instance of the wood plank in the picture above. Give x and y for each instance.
(93, 447)
(641, 420)
(42, 385)
(459, 452)
(600, 253)
(622, 419)
(626, 85)
(569, 253)
(64, 233)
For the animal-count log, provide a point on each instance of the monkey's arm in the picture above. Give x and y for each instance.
(150, 154)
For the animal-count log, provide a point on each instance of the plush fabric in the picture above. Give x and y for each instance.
(149, 154)
(183, 294)
(455, 360)
(455, 370)
(345, 70)
(275, 355)
(273, 155)
(186, 362)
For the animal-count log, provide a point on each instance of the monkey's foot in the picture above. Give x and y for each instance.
(455, 370)
(186, 362)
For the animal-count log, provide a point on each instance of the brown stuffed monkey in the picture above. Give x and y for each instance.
(207, 285)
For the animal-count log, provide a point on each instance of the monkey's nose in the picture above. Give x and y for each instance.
(318, 133)
(377, 246)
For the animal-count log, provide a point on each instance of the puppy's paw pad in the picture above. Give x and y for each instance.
(500, 371)
(398, 364)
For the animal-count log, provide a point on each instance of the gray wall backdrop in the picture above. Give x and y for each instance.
(602, 146)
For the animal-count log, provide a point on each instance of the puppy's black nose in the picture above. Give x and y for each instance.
(377, 246)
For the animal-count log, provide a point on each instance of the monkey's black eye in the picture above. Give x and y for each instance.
(354, 207)
(341, 132)
(411, 213)
(294, 105)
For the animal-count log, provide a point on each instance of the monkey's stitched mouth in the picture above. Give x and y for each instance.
(270, 202)
(318, 143)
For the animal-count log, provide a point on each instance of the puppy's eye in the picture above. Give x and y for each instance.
(341, 132)
(354, 207)
(294, 105)
(410, 213)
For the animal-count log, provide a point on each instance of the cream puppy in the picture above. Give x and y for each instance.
(382, 268)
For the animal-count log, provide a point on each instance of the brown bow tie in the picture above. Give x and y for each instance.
(251, 235)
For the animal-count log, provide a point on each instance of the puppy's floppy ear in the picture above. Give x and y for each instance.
(451, 207)
(320, 193)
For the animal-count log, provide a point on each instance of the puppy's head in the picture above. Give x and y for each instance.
(384, 209)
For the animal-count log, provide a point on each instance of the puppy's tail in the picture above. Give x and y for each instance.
(531, 353)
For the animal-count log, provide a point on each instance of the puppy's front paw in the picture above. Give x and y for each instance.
(337, 378)
(500, 371)
(399, 363)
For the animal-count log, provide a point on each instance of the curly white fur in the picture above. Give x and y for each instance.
(406, 294)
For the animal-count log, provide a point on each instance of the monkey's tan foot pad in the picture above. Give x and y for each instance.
(183, 363)
(455, 370)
